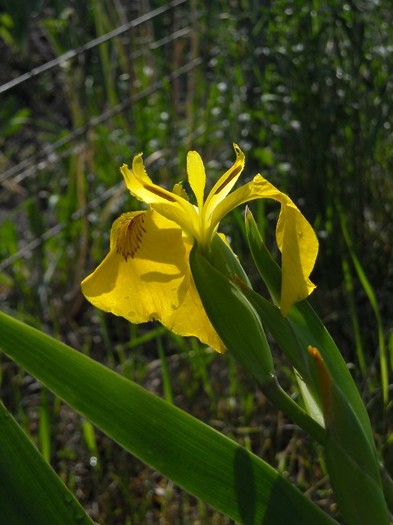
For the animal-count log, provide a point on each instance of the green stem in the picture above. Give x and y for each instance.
(287, 405)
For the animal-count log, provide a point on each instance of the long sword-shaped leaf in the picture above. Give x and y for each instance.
(307, 326)
(30, 491)
(195, 456)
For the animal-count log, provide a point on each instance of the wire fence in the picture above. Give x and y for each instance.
(19, 179)
(74, 53)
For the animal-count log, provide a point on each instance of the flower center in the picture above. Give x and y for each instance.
(129, 235)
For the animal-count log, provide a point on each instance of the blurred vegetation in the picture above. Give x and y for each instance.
(305, 88)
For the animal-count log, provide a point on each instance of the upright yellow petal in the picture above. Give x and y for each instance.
(146, 276)
(225, 183)
(196, 176)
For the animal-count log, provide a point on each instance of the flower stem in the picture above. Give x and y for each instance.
(287, 405)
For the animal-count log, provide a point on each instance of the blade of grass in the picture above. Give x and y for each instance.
(166, 378)
(354, 317)
(89, 437)
(383, 362)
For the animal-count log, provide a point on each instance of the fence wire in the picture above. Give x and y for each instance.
(73, 53)
(48, 154)
(74, 141)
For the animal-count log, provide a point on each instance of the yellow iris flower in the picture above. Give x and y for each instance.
(146, 274)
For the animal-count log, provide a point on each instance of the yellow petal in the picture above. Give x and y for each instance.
(146, 276)
(258, 188)
(299, 247)
(225, 183)
(295, 238)
(140, 184)
(196, 176)
(147, 284)
(180, 191)
(172, 206)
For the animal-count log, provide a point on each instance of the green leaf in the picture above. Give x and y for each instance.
(225, 261)
(349, 447)
(352, 464)
(309, 400)
(310, 330)
(192, 454)
(238, 324)
(283, 334)
(360, 498)
(266, 266)
(233, 317)
(30, 491)
(307, 328)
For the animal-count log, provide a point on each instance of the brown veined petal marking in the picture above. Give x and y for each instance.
(129, 235)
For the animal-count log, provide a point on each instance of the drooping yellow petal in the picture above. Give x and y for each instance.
(144, 280)
(146, 276)
(196, 176)
(258, 188)
(170, 205)
(295, 238)
(299, 247)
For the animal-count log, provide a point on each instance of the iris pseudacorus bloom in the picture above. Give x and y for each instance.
(146, 275)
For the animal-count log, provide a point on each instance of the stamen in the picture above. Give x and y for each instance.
(129, 236)
(159, 192)
(231, 176)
